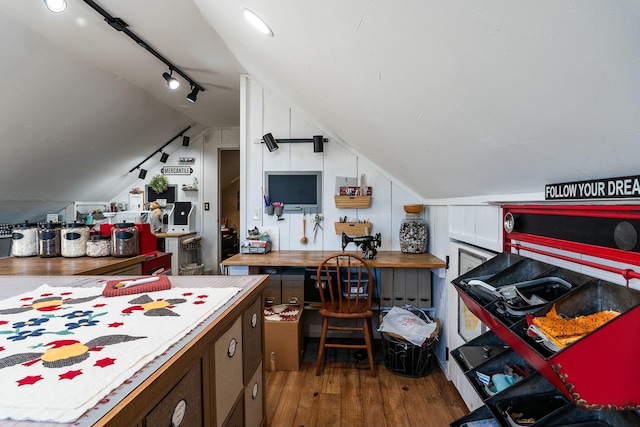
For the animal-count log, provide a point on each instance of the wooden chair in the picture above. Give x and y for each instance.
(345, 292)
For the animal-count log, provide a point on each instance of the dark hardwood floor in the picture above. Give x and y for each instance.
(345, 395)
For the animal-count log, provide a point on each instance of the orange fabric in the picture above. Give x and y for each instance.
(566, 331)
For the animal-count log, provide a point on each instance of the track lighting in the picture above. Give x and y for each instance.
(56, 6)
(185, 141)
(317, 140)
(172, 82)
(194, 93)
(164, 156)
(268, 139)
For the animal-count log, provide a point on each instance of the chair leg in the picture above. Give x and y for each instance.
(368, 339)
(323, 338)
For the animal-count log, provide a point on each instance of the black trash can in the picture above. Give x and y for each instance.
(404, 358)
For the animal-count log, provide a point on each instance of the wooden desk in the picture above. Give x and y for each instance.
(392, 259)
(403, 278)
(61, 266)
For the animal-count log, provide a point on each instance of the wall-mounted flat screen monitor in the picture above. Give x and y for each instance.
(170, 194)
(300, 191)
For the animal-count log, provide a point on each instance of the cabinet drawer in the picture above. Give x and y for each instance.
(182, 406)
(228, 370)
(236, 417)
(252, 320)
(253, 411)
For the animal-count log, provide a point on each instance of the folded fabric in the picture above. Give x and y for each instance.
(110, 290)
(563, 331)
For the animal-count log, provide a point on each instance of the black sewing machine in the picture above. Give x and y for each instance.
(368, 244)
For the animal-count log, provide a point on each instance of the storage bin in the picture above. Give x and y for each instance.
(405, 359)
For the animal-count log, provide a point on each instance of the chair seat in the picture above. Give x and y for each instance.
(359, 312)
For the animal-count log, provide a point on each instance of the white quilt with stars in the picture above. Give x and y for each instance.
(64, 349)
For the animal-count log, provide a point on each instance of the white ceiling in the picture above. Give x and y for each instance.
(454, 99)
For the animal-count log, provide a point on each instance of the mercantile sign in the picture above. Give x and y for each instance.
(626, 187)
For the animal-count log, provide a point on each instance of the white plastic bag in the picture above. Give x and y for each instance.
(407, 325)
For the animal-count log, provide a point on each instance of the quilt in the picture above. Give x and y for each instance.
(62, 349)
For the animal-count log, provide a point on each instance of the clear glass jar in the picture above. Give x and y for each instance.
(124, 240)
(98, 246)
(24, 240)
(74, 237)
(49, 240)
(413, 233)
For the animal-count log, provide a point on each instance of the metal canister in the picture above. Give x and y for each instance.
(49, 244)
(74, 237)
(24, 240)
(124, 240)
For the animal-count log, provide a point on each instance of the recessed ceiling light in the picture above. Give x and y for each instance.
(257, 22)
(56, 6)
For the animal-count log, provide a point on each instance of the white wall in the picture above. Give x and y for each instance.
(265, 113)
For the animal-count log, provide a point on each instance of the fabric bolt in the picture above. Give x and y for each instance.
(63, 349)
(564, 331)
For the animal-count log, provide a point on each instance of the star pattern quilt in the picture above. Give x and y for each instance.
(62, 349)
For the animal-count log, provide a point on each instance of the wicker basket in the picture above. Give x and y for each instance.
(192, 271)
(191, 245)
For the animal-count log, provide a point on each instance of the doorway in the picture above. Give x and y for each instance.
(229, 204)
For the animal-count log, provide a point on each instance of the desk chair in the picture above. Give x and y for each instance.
(345, 293)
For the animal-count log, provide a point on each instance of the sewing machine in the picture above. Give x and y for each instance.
(368, 244)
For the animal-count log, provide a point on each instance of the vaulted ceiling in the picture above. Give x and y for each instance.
(454, 99)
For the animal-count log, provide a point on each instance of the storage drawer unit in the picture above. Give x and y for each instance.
(253, 392)
(228, 370)
(252, 327)
(400, 286)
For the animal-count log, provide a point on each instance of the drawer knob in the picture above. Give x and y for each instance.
(254, 320)
(254, 391)
(178, 413)
(231, 351)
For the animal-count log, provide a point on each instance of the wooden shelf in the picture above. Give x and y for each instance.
(353, 228)
(351, 202)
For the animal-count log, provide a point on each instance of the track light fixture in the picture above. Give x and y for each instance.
(193, 95)
(185, 141)
(172, 82)
(164, 156)
(268, 139)
(317, 140)
(120, 25)
(56, 6)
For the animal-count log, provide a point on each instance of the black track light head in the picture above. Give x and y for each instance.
(185, 141)
(142, 174)
(194, 94)
(272, 145)
(164, 157)
(172, 82)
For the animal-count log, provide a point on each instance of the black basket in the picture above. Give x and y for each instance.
(406, 359)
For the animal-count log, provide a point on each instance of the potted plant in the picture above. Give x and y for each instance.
(159, 183)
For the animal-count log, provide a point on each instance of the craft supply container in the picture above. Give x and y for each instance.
(413, 231)
(99, 246)
(124, 240)
(24, 240)
(49, 243)
(74, 237)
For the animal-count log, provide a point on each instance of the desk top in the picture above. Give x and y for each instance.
(61, 266)
(313, 258)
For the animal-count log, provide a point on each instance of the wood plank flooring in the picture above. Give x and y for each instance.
(345, 395)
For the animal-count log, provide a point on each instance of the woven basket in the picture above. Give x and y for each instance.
(192, 271)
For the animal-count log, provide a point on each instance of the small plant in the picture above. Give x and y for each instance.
(159, 183)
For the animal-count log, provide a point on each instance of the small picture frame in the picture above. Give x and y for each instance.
(469, 326)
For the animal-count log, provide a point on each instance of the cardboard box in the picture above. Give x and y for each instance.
(283, 343)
